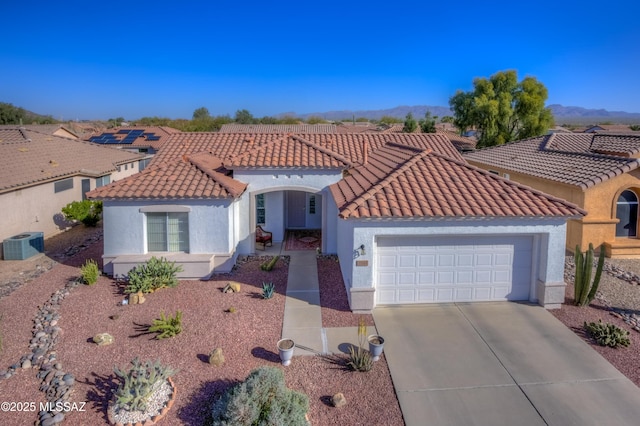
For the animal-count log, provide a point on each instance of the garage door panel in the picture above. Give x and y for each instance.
(450, 269)
(407, 261)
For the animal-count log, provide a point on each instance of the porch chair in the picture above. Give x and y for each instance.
(263, 237)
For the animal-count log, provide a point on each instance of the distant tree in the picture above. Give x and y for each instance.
(201, 113)
(410, 124)
(362, 120)
(447, 119)
(387, 119)
(154, 121)
(115, 122)
(10, 114)
(501, 109)
(316, 120)
(269, 120)
(428, 123)
(244, 117)
(288, 119)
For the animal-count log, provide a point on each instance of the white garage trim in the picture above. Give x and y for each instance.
(440, 269)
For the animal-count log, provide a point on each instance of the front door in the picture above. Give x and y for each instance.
(296, 209)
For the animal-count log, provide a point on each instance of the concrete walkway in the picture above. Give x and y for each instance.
(499, 364)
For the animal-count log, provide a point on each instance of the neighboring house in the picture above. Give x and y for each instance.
(408, 219)
(50, 129)
(41, 173)
(597, 172)
(610, 128)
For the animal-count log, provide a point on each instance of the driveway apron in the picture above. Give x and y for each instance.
(499, 364)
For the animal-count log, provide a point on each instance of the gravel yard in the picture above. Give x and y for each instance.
(247, 337)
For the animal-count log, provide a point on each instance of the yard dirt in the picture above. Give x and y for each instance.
(247, 338)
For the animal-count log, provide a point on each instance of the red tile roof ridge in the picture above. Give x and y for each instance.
(387, 180)
(208, 164)
(324, 150)
(512, 183)
(253, 148)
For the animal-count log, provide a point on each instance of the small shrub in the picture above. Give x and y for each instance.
(232, 310)
(268, 266)
(152, 275)
(607, 334)
(267, 290)
(167, 326)
(90, 272)
(262, 399)
(139, 382)
(86, 211)
(360, 358)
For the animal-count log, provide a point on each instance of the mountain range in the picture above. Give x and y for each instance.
(560, 112)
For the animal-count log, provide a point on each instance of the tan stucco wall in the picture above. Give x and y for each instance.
(599, 225)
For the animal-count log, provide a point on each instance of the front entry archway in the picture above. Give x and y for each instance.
(627, 214)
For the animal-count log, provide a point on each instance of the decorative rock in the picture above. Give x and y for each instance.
(216, 358)
(26, 364)
(338, 400)
(136, 298)
(234, 286)
(103, 339)
(68, 379)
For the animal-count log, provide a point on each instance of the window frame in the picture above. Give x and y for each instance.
(175, 232)
(261, 210)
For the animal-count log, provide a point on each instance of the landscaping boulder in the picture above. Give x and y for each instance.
(338, 400)
(232, 287)
(216, 358)
(103, 339)
(136, 298)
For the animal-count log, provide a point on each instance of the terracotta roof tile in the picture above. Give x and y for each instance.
(400, 181)
(565, 158)
(278, 128)
(30, 157)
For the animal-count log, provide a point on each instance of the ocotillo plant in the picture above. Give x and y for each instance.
(585, 290)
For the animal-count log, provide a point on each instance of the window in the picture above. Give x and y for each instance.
(312, 204)
(102, 181)
(260, 210)
(62, 185)
(168, 232)
(126, 166)
(627, 213)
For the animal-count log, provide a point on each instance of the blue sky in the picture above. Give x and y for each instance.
(97, 60)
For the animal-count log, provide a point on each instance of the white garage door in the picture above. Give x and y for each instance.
(452, 269)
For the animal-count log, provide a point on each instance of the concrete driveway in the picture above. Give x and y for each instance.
(499, 364)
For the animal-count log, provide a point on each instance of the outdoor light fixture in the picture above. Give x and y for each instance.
(360, 250)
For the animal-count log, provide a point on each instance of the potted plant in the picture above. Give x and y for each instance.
(376, 343)
(285, 348)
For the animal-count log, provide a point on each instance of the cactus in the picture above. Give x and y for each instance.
(167, 326)
(139, 382)
(607, 334)
(585, 289)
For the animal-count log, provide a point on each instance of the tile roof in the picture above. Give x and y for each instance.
(30, 157)
(462, 143)
(404, 182)
(195, 176)
(559, 157)
(278, 128)
(609, 128)
(261, 150)
(43, 128)
(161, 133)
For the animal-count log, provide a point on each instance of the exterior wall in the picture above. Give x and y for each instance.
(39, 208)
(268, 181)
(548, 251)
(126, 170)
(211, 224)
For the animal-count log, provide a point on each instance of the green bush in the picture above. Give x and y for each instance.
(153, 275)
(262, 399)
(90, 272)
(268, 266)
(607, 334)
(167, 326)
(139, 382)
(87, 212)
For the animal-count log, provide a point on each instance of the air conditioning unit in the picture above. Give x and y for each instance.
(23, 246)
